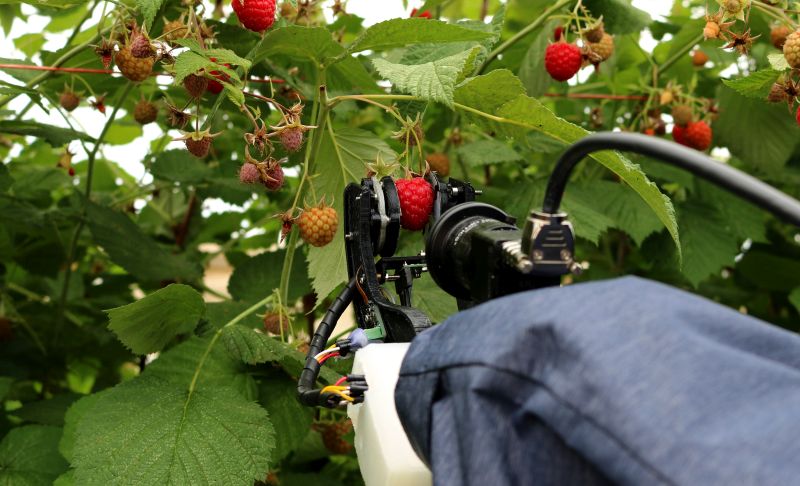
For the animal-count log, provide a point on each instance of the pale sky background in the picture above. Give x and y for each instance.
(129, 156)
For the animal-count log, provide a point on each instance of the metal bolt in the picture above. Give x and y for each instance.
(538, 255)
(566, 255)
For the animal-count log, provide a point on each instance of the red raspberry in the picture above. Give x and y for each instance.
(69, 100)
(274, 176)
(215, 85)
(198, 147)
(562, 60)
(145, 112)
(416, 202)
(679, 134)
(797, 116)
(196, 85)
(425, 14)
(318, 225)
(249, 174)
(256, 15)
(698, 135)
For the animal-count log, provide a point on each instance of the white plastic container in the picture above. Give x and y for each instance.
(384, 454)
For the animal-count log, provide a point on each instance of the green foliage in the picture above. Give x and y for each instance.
(179, 383)
(146, 325)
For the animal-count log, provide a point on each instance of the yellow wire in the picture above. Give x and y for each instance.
(337, 390)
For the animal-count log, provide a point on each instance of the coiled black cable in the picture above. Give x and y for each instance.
(306, 393)
(733, 180)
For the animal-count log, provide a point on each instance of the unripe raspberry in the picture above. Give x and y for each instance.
(174, 30)
(276, 323)
(416, 202)
(604, 48)
(333, 436)
(291, 138)
(791, 49)
(778, 35)
(682, 114)
(195, 85)
(562, 60)
(439, 163)
(249, 174)
(595, 34)
(273, 177)
(318, 225)
(131, 67)
(69, 100)
(145, 112)
(711, 30)
(699, 58)
(141, 47)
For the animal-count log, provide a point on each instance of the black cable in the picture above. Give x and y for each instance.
(306, 392)
(733, 180)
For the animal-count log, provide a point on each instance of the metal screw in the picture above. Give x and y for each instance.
(566, 255)
(538, 255)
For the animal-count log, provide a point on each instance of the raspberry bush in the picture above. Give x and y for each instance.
(141, 140)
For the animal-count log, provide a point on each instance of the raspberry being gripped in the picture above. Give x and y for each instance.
(256, 15)
(248, 174)
(333, 436)
(131, 67)
(318, 225)
(69, 100)
(145, 112)
(791, 49)
(416, 202)
(562, 60)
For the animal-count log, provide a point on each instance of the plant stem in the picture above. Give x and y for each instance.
(521, 34)
(657, 72)
(62, 301)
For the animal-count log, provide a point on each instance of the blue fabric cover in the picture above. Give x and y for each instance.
(623, 381)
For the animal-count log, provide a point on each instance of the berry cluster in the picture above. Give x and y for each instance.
(563, 59)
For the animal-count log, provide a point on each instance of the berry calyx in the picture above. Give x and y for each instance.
(69, 100)
(318, 225)
(255, 15)
(145, 112)
(416, 202)
(562, 60)
(133, 68)
(439, 163)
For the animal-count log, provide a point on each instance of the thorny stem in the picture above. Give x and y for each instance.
(81, 223)
(521, 34)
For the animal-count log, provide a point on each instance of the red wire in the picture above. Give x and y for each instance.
(340, 381)
(327, 357)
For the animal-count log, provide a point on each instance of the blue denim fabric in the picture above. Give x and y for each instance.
(625, 381)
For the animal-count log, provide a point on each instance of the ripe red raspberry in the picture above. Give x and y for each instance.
(69, 100)
(797, 115)
(291, 138)
(276, 323)
(562, 60)
(333, 436)
(318, 225)
(416, 202)
(272, 176)
(215, 85)
(425, 14)
(679, 134)
(249, 174)
(698, 135)
(195, 85)
(256, 15)
(145, 112)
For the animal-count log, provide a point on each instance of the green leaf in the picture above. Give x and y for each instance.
(149, 9)
(532, 72)
(428, 297)
(123, 132)
(342, 157)
(778, 61)
(149, 431)
(255, 278)
(314, 43)
(60, 4)
(396, 33)
(590, 222)
(627, 211)
(5, 386)
(50, 411)
(501, 94)
(178, 364)
(252, 346)
(74, 415)
(744, 120)
(218, 56)
(147, 325)
(179, 166)
(191, 62)
(127, 246)
(30, 44)
(29, 456)
(432, 81)
(756, 85)
(619, 16)
(291, 420)
(487, 152)
(66, 479)
(707, 246)
(794, 298)
(55, 136)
